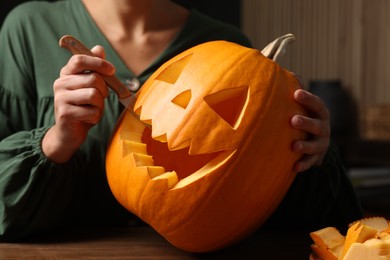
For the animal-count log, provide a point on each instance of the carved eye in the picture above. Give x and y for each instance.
(183, 99)
(229, 104)
(172, 73)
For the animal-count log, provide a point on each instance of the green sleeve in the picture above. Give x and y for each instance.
(320, 197)
(35, 194)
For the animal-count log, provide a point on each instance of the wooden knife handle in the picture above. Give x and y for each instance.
(76, 47)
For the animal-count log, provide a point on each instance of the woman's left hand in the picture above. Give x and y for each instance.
(317, 125)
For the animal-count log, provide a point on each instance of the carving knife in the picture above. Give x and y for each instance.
(76, 47)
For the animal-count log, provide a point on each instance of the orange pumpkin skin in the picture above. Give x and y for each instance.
(223, 114)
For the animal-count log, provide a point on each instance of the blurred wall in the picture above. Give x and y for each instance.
(347, 40)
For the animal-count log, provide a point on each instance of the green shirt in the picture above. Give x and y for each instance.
(37, 195)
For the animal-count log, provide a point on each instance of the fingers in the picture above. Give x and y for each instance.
(78, 64)
(79, 96)
(317, 127)
(313, 152)
(82, 63)
(312, 146)
(312, 103)
(80, 81)
(305, 163)
(83, 89)
(99, 51)
(314, 126)
(73, 77)
(80, 105)
(86, 115)
(317, 122)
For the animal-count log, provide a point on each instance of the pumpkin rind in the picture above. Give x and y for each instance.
(246, 159)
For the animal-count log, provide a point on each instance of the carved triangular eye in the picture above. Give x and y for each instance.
(183, 99)
(229, 104)
(173, 71)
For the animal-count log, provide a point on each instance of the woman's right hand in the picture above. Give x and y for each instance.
(79, 95)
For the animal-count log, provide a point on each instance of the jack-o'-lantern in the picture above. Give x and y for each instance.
(209, 158)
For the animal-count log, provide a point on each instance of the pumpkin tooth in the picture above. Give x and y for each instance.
(133, 147)
(161, 138)
(133, 129)
(177, 146)
(147, 121)
(143, 159)
(155, 171)
(171, 178)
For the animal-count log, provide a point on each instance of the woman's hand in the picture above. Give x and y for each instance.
(317, 125)
(78, 104)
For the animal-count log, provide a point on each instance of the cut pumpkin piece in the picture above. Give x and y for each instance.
(327, 254)
(378, 223)
(366, 239)
(328, 243)
(385, 235)
(372, 249)
(357, 233)
(328, 237)
(387, 230)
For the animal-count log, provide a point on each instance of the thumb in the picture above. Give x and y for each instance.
(99, 51)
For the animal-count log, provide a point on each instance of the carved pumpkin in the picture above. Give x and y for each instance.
(216, 159)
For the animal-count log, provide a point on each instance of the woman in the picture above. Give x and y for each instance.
(54, 130)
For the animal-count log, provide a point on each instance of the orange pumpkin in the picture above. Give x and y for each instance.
(216, 159)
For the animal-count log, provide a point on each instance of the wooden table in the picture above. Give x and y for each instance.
(145, 243)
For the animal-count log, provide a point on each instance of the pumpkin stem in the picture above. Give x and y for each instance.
(277, 48)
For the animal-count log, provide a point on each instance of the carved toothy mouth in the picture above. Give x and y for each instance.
(177, 166)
